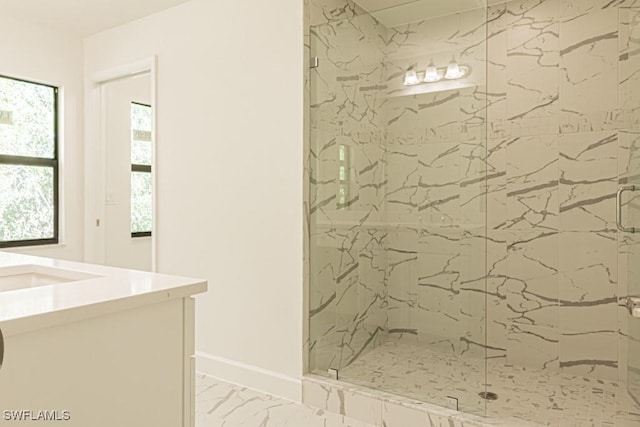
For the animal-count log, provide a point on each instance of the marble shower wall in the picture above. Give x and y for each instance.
(435, 202)
(559, 120)
(348, 261)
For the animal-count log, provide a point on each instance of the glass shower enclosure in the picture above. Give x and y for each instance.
(465, 160)
(398, 150)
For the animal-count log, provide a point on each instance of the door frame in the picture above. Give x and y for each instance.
(95, 156)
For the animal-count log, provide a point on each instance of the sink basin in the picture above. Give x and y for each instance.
(31, 276)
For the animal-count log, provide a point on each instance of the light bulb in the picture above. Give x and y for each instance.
(411, 78)
(453, 70)
(431, 75)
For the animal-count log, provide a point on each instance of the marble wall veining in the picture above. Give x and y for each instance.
(475, 217)
(557, 124)
(414, 174)
(348, 263)
(435, 205)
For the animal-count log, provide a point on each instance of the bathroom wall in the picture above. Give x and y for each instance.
(230, 174)
(37, 53)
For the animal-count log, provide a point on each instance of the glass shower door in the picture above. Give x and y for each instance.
(628, 201)
(629, 224)
(633, 304)
(347, 312)
(628, 204)
(398, 235)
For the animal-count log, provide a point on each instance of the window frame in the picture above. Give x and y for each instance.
(53, 163)
(141, 169)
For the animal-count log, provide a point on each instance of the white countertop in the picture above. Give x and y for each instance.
(115, 289)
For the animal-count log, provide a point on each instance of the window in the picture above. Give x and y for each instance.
(343, 176)
(28, 163)
(141, 182)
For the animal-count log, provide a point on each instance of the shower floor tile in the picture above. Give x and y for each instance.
(546, 398)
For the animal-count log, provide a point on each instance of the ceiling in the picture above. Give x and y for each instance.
(83, 17)
(392, 13)
(86, 17)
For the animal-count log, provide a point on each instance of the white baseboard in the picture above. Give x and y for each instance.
(250, 376)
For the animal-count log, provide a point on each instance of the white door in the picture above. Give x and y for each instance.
(128, 184)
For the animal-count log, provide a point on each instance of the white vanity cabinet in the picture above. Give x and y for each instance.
(112, 350)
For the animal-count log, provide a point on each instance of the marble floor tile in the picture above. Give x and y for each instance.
(219, 404)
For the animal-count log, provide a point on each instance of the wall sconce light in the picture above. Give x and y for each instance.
(454, 71)
(411, 78)
(433, 74)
